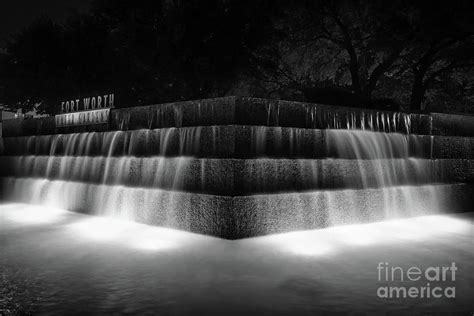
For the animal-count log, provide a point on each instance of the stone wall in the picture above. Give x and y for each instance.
(237, 167)
(247, 111)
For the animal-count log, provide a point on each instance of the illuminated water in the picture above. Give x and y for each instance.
(214, 140)
(352, 168)
(145, 174)
(59, 262)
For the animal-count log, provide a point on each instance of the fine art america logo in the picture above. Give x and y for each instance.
(436, 281)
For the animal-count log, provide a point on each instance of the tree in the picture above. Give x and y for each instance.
(147, 51)
(343, 48)
(32, 65)
(396, 54)
(183, 49)
(366, 53)
(443, 41)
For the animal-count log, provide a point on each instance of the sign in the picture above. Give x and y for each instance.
(85, 111)
(83, 118)
(88, 103)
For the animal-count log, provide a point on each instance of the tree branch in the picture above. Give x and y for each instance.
(353, 59)
(450, 66)
(381, 69)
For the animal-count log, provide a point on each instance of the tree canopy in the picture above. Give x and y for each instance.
(400, 54)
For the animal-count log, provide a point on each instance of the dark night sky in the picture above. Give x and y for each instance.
(17, 14)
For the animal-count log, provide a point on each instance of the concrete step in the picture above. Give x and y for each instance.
(243, 216)
(244, 142)
(269, 214)
(236, 111)
(452, 124)
(240, 176)
(254, 111)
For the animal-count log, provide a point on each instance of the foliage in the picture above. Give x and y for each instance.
(397, 54)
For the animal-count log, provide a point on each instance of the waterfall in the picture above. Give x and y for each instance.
(395, 171)
(237, 180)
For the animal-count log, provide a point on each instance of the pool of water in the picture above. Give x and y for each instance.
(55, 262)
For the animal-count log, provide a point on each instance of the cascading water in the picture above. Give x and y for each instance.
(396, 171)
(98, 173)
(237, 180)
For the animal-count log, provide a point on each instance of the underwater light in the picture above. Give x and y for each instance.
(340, 238)
(100, 228)
(32, 214)
(130, 234)
(157, 238)
(306, 243)
(309, 247)
(361, 235)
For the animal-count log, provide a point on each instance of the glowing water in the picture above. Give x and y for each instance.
(388, 122)
(210, 141)
(153, 175)
(184, 141)
(229, 176)
(178, 209)
(107, 266)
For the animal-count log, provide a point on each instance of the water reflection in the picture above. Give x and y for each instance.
(144, 237)
(32, 214)
(323, 242)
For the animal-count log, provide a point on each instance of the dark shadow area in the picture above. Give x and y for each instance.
(397, 56)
